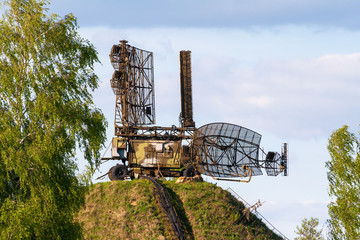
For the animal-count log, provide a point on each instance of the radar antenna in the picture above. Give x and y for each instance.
(223, 151)
(133, 85)
(227, 150)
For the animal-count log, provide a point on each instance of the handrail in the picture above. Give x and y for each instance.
(165, 201)
(246, 204)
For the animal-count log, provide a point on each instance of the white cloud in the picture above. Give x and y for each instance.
(255, 83)
(300, 98)
(269, 89)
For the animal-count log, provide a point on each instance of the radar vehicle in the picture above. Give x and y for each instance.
(223, 151)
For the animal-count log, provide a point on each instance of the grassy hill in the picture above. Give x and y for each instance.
(129, 210)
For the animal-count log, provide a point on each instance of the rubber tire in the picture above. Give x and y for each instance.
(118, 172)
(190, 172)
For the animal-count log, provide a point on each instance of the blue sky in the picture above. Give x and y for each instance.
(287, 69)
(212, 13)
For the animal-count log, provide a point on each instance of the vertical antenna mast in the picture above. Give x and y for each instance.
(186, 114)
(133, 86)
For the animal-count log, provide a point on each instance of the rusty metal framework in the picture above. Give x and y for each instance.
(133, 85)
(272, 163)
(171, 133)
(186, 115)
(224, 150)
(276, 163)
(221, 150)
(227, 150)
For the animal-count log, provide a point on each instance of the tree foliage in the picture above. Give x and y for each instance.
(308, 230)
(344, 183)
(46, 111)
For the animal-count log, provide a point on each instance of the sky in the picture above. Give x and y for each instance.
(288, 70)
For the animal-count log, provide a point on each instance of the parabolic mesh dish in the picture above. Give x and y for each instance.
(227, 150)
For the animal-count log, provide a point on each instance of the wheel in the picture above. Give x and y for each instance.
(118, 172)
(190, 172)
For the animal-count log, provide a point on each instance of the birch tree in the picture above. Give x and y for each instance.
(46, 112)
(344, 185)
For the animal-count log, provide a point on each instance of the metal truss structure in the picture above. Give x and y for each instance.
(227, 150)
(223, 151)
(133, 86)
(169, 133)
(276, 163)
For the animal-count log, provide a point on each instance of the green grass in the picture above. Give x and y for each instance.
(128, 210)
